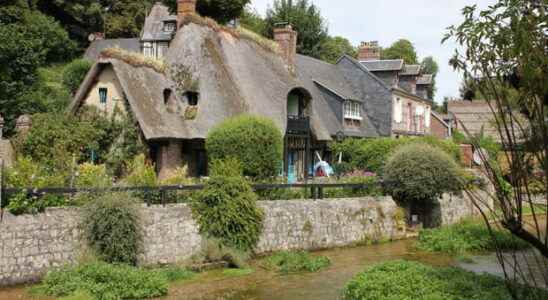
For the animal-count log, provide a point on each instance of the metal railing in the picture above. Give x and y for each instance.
(315, 190)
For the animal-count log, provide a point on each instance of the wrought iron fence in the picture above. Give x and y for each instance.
(172, 194)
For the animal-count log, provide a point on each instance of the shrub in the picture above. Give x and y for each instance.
(175, 273)
(92, 176)
(55, 140)
(111, 227)
(28, 174)
(410, 280)
(105, 281)
(370, 187)
(226, 209)
(296, 261)
(372, 154)
(75, 72)
(255, 141)
(213, 250)
(422, 173)
(467, 236)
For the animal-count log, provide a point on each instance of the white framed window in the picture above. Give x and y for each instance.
(398, 110)
(352, 110)
(162, 49)
(148, 49)
(169, 26)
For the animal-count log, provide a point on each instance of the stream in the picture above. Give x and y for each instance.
(324, 285)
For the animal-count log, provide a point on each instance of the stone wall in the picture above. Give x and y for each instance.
(32, 245)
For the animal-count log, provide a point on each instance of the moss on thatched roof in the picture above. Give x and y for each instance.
(135, 59)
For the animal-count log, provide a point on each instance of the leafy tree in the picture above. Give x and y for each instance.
(29, 40)
(223, 11)
(251, 20)
(401, 49)
(305, 18)
(74, 73)
(430, 66)
(505, 45)
(125, 18)
(335, 47)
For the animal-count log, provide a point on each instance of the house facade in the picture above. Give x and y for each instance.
(184, 75)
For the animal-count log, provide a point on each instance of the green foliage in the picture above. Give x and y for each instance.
(367, 155)
(411, 280)
(334, 48)
(306, 19)
(467, 236)
(227, 210)
(252, 20)
(296, 261)
(90, 176)
(222, 11)
(420, 173)
(29, 40)
(401, 49)
(370, 187)
(21, 203)
(214, 250)
(141, 173)
(111, 227)
(74, 73)
(254, 141)
(56, 139)
(106, 282)
(175, 273)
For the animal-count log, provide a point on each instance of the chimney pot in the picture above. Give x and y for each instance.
(185, 7)
(369, 51)
(286, 38)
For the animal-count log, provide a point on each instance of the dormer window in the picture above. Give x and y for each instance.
(191, 98)
(169, 26)
(352, 110)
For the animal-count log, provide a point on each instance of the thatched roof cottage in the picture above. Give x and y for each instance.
(189, 74)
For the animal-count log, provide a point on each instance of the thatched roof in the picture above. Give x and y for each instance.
(234, 76)
(96, 47)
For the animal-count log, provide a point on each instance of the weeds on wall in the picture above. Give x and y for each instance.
(111, 227)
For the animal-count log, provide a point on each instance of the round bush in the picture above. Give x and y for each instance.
(111, 226)
(74, 73)
(419, 172)
(254, 141)
(227, 210)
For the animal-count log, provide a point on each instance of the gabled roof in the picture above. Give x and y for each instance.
(316, 75)
(425, 79)
(94, 50)
(383, 65)
(154, 24)
(411, 70)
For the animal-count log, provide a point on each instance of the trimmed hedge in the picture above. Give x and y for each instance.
(420, 173)
(254, 141)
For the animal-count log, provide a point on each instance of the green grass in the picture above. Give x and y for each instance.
(104, 281)
(295, 262)
(413, 281)
(467, 237)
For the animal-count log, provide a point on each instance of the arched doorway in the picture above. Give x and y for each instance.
(297, 137)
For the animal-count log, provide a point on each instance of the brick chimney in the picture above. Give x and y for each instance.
(369, 51)
(1, 126)
(286, 38)
(185, 7)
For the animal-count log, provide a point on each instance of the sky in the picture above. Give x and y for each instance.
(423, 22)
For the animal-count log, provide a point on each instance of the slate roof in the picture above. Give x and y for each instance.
(94, 50)
(411, 70)
(235, 76)
(154, 24)
(425, 79)
(316, 74)
(383, 65)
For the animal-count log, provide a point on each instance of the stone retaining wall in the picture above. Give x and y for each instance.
(32, 245)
